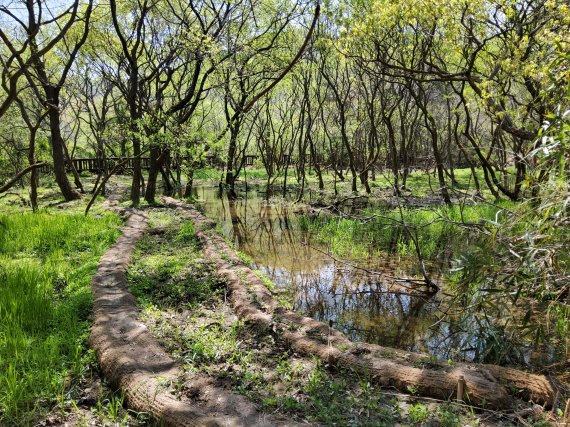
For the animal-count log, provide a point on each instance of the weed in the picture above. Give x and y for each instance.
(413, 390)
(247, 260)
(418, 413)
(111, 410)
(448, 416)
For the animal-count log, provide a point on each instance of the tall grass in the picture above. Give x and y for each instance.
(46, 264)
(435, 230)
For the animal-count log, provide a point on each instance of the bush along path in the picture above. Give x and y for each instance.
(483, 385)
(132, 359)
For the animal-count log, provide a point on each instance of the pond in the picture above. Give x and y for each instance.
(367, 302)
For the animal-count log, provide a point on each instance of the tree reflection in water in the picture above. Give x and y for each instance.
(365, 306)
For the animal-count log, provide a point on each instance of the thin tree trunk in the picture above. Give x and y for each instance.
(189, 184)
(231, 175)
(76, 178)
(137, 174)
(35, 176)
(14, 179)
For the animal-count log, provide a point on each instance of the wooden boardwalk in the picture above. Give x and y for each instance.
(97, 165)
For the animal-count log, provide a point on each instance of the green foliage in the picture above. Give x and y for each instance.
(167, 270)
(448, 416)
(111, 410)
(46, 264)
(209, 174)
(526, 256)
(418, 413)
(335, 401)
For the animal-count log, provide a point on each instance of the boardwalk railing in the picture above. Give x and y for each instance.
(96, 165)
(99, 165)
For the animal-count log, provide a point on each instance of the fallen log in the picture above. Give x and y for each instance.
(485, 385)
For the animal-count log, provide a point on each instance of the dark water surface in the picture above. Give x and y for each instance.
(367, 307)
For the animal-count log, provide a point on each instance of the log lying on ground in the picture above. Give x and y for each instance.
(485, 385)
(133, 360)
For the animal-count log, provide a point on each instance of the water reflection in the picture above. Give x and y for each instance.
(367, 307)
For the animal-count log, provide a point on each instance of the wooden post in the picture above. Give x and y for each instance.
(460, 388)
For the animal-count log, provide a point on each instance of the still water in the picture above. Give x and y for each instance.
(366, 305)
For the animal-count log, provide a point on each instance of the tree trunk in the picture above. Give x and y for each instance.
(76, 178)
(231, 176)
(155, 164)
(364, 181)
(431, 126)
(35, 176)
(465, 154)
(137, 174)
(346, 142)
(164, 171)
(57, 144)
(16, 178)
(439, 163)
(189, 184)
(393, 154)
(316, 164)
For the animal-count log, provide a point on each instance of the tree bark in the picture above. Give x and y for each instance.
(231, 175)
(57, 144)
(155, 164)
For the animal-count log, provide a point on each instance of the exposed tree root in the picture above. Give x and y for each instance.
(134, 361)
(485, 385)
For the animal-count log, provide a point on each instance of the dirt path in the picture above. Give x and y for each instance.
(485, 385)
(134, 360)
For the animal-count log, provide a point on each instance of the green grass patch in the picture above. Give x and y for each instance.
(46, 264)
(436, 230)
(207, 174)
(168, 268)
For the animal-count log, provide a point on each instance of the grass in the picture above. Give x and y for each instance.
(393, 232)
(168, 269)
(46, 264)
